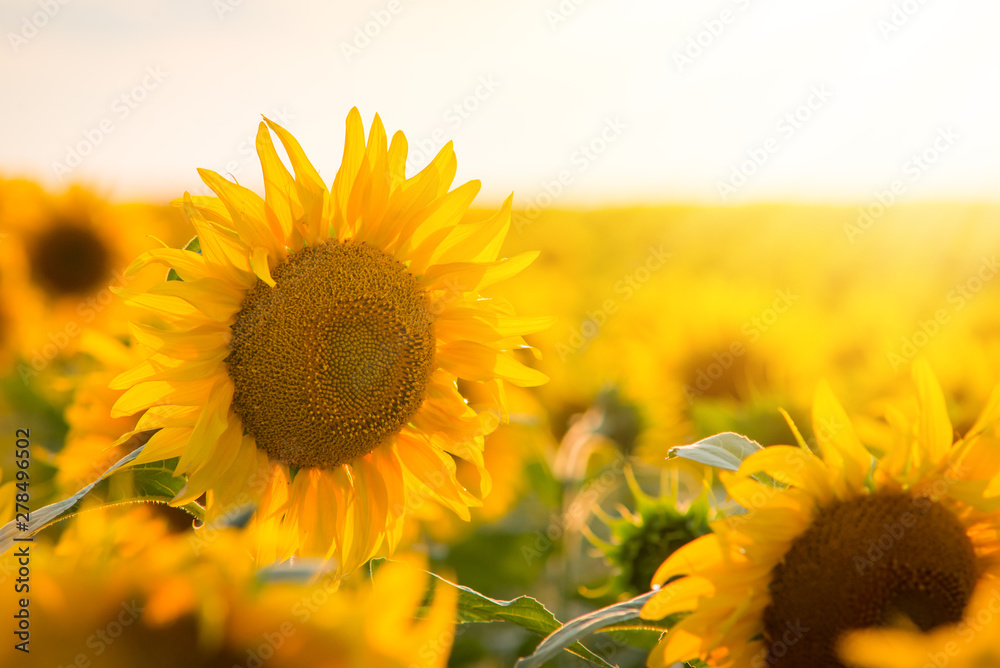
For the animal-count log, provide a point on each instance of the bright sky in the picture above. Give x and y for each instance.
(625, 102)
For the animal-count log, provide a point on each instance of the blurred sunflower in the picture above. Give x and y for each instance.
(91, 445)
(310, 351)
(58, 258)
(847, 541)
(974, 642)
(119, 589)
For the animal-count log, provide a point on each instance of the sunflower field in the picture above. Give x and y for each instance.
(366, 408)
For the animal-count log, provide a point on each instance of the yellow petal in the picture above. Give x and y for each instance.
(247, 210)
(703, 552)
(311, 189)
(169, 369)
(144, 395)
(213, 421)
(304, 170)
(215, 298)
(678, 596)
(164, 444)
(459, 277)
(934, 430)
(261, 265)
(221, 457)
(370, 196)
(478, 242)
(474, 361)
(279, 186)
(433, 473)
(484, 326)
(840, 446)
(343, 183)
(421, 236)
(188, 264)
(370, 509)
(396, 160)
(792, 466)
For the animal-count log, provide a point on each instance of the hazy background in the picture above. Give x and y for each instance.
(874, 83)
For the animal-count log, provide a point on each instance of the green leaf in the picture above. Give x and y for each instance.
(571, 632)
(524, 611)
(725, 451)
(151, 482)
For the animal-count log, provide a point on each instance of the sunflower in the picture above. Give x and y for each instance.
(308, 356)
(842, 540)
(58, 257)
(91, 446)
(121, 589)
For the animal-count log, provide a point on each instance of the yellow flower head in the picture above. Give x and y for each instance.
(59, 255)
(308, 355)
(844, 540)
(91, 446)
(119, 589)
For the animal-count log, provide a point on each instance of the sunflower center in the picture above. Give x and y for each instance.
(334, 358)
(69, 259)
(879, 560)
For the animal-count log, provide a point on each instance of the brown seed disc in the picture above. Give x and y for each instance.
(334, 358)
(68, 259)
(878, 560)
